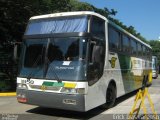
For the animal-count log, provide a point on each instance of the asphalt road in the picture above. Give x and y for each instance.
(10, 109)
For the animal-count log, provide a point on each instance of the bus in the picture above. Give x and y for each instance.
(154, 67)
(78, 61)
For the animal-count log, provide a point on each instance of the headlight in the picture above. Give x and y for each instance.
(22, 86)
(81, 90)
(73, 90)
(68, 90)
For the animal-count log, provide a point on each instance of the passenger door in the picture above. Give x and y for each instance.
(95, 60)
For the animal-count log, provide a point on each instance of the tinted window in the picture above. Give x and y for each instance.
(63, 49)
(133, 47)
(144, 51)
(149, 53)
(114, 38)
(33, 56)
(98, 27)
(125, 43)
(139, 50)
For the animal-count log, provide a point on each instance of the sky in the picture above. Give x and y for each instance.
(143, 15)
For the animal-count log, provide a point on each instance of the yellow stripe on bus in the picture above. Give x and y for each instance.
(70, 85)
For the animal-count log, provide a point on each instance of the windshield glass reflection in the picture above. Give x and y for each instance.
(54, 58)
(63, 49)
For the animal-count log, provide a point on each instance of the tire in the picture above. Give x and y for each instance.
(111, 94)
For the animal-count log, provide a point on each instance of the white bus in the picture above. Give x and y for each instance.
(154, 67)
(78, 61)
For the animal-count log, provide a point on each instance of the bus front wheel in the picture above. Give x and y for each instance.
(110, 96)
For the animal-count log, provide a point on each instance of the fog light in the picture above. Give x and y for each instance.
(22, 86)
(19, 85)
(21, 98)
(73, 90)
(68, 90)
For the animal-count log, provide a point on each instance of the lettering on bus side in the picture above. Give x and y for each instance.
(28, 81)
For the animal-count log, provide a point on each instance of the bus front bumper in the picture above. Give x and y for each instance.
(52, 100)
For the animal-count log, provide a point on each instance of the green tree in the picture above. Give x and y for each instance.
(155, 44)
(15, 14)
(75, 5)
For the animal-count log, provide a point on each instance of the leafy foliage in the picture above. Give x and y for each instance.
(155, 44)
(15, 15)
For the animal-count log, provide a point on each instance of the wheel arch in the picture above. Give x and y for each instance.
(111, 85)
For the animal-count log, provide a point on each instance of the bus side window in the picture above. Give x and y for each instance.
(98, 27)
(139, 50)
(144, 52)
(125, 44)
(114, 39)
(133, 47)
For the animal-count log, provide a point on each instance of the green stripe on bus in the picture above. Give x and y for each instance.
(55, 84)
(48, 83)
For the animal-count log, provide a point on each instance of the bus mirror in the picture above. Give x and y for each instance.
(16, 51)
(15, 54)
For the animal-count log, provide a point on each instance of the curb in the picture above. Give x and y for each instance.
(8, 94)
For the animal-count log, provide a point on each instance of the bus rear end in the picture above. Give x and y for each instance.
(154, 67)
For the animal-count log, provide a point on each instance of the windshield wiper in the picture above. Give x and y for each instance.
(53, 70)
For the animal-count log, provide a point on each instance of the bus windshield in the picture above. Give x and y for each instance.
(54, 58)
(62, 49)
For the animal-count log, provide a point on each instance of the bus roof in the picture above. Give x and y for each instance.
(87, 13)
(68, 14)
